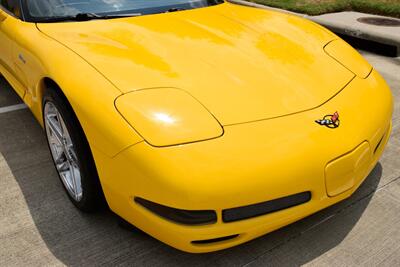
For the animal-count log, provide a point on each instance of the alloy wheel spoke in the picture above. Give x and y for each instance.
(73, 179)
(59, 159)
(63, 151)
(63, 128)
(56, 149)
(63, 166)
(56, 130)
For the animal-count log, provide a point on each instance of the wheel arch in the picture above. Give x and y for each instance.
(51, 92)
(45, 83)
(92, 102)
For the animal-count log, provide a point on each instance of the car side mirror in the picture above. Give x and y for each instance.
(3, 15)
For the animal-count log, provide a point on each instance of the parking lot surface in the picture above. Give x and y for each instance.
(39, 226)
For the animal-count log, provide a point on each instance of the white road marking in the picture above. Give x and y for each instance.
(12, 108)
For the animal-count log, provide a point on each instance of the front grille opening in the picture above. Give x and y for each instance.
(214, 240)
(246, 212)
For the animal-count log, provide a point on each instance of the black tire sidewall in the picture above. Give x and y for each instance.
(92, 196)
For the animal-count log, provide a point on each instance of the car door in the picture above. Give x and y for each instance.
(10, 12)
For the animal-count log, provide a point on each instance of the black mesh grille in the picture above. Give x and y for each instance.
(245, 212)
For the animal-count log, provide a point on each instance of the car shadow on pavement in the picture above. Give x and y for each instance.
(75, 238)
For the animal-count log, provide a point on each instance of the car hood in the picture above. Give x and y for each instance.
(243, 64)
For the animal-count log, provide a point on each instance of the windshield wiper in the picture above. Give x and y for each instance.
(87, 16)
(174, 9)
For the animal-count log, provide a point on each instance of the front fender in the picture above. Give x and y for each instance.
(90, 94)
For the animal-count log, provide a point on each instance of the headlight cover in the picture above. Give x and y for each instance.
(348, 57)
(168, 116)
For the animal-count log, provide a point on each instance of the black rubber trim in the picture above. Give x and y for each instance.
(214, 240)
(250, 211)
(188, 217)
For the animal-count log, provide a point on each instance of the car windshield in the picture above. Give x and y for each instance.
(42, 10)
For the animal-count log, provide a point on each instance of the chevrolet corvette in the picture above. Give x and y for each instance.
(204, 123)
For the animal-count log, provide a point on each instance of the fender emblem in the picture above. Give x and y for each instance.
(330, 121)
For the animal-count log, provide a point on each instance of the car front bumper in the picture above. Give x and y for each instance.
(252, 163)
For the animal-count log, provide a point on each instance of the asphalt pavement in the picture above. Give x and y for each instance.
(40, 227)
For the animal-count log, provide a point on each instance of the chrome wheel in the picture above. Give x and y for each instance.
(63, 151)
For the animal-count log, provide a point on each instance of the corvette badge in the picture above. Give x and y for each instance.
(330, 121)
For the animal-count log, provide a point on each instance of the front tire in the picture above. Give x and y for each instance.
(71, 153)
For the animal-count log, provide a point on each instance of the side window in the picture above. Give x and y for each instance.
(13, 6)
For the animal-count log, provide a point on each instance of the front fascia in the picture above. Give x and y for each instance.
(266, 159)
(251, 163)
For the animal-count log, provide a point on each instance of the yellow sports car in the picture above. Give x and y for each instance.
(204, 123)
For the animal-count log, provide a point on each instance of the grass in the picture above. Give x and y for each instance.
(316, 7)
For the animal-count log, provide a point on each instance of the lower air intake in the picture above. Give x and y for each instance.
(250, 211)
(214, 240)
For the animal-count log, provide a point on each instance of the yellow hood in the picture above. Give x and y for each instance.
(243, 64)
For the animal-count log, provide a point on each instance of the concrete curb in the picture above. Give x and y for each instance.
(345, 23)
(251, 4)
(349, 26)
